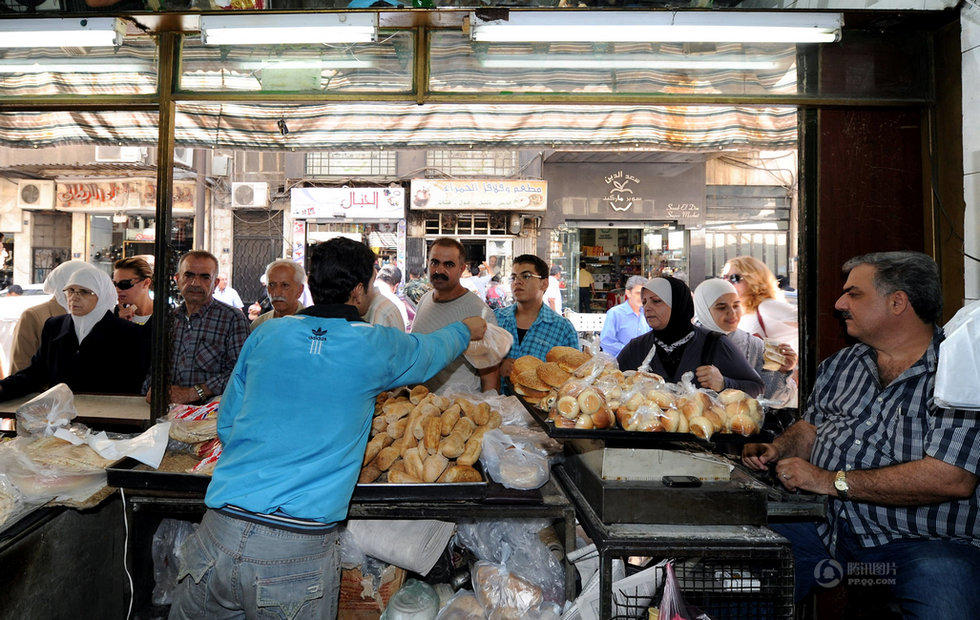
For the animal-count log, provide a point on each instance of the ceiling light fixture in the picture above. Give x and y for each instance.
(625, 61)
(659, 26)
(64, 32)
(289, 29)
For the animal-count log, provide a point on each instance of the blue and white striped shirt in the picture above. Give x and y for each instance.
(861, 425)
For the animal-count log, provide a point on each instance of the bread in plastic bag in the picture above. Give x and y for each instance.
(491, 349)
(959, 361)
(55, 474)
(47, 412)
(462, 606)
(504, 594)
(511, 464)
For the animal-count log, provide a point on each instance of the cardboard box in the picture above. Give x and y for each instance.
(361, 598)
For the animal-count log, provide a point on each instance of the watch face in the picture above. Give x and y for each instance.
(840, 485)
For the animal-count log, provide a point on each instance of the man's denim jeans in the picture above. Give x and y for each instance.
(232, 568)
(929, 578)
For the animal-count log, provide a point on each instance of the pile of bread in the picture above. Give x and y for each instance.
(584, 392)
(420, 437)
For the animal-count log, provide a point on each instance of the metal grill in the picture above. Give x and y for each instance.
(471, 163)
(258, 242)
(352, 164)
(748, 221)
(466, 224)
(46, 259)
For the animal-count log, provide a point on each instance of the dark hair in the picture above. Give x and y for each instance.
(137, 264)
(337, 267)
(540, 267)
(389, 274)
(474, 270)
(449, 242)
(415, 272)
(199, 254)
(555, 270)
(914, 273)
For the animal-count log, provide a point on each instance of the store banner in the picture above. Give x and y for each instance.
(111, 195)
(351, 203)
(479, 195)
(673, 192)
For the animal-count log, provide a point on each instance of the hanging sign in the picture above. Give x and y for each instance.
(479, 195)
(105, 195)
(351, 203)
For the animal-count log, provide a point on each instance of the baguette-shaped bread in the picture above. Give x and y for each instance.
(433, 467)
(413, 463)
(433, 433)
(452, 446)
(369, 473)
(375, 445)
(461, 473)
(474, 445)
(399, 477)
(386, 457)
(418, 393)
(449, 418)
(397, 428)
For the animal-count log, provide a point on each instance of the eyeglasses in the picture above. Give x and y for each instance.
(734, 278)
(526, 276)
(78, 292)
(125, 285)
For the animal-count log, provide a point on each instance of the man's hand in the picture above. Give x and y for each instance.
(254, 311)
(477, 326)
(710, 377)
(506, 365)
(798, 474)
(759, 455)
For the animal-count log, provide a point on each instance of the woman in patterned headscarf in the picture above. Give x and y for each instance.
(89, 349)
(675, 346)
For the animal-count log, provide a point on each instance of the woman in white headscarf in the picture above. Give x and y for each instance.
(89, 349)
(717, 307)
(27, 331)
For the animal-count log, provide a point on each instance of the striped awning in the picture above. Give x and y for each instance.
(375, 125)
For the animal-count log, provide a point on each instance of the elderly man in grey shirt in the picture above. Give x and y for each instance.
(447, 302)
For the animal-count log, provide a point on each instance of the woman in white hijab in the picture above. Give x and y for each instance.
(717, 307)
(27, 332)
(89, 349)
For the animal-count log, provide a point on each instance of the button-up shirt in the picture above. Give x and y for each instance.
(206, 345)
(548, 330)
(621, 326)
(861, 425)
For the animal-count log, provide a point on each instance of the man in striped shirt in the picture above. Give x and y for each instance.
(901, 474)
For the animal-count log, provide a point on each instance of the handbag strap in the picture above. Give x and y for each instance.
(762, 324)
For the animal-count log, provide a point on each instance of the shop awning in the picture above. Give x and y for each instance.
(376, 125)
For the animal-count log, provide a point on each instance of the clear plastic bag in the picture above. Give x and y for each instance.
(959, 361)
(515, 544)
(672, 606)
(165, 549)
(416, 600)
(462, 606)
(511, 464)
(41, 483)
(504, 594)
(489, 350)
(47, 412)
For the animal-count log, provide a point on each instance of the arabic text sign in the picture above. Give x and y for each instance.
(347, 202)
(120, 194)
(479, 195)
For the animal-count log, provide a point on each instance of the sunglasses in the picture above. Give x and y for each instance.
(125, 285)
(734, 278)
(526, 276)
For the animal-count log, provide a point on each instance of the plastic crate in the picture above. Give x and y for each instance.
(727, 584)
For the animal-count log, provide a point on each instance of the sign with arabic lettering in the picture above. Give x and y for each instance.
(479, 195)
(666, 192)
(111, 195)
(347, 202)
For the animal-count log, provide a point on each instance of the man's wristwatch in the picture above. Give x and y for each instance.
(840, 483)
(200, 392)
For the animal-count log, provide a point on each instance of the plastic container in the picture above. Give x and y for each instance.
(416, 600)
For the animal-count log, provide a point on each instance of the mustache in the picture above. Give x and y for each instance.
(439, 276)
(846, 315)
(277, 298)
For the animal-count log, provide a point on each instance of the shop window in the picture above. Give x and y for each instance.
(352, 164)
(471, 163)
(466, 224)
(46, 259)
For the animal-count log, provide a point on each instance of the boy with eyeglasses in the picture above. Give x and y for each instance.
(536, 328)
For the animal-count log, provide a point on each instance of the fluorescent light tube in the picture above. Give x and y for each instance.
(721, 61)
(289, 29)
(659, 26)
(66, 32)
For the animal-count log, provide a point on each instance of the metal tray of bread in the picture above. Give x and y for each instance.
(129, 473)
(617, 437)
(435, 491)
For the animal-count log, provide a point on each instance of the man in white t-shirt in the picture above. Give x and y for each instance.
(389, 277)
(227, 295)
(437, 308)
(552, 296)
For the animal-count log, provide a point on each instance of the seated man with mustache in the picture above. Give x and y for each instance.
(284, 281)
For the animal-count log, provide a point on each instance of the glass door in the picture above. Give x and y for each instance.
(564, 252)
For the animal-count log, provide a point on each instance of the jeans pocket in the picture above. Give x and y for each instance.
(195, 558)
(288, 595)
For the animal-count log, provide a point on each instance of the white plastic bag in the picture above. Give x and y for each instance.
(45, 413)
(512, 464)
(958, 373)
(489, 350)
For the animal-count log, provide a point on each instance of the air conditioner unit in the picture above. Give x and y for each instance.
(35, 194)
(245, 195)
(184, 157)
(119, 154)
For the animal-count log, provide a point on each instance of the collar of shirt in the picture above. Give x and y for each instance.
(332, 311)
(181, 310)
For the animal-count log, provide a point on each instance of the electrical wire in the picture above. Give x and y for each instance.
(129, 577)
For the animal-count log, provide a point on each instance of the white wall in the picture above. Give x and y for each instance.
(970, 21)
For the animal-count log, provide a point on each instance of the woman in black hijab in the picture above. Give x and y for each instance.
(675, 345)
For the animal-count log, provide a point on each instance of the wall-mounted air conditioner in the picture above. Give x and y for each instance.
(184, 157)
(119, 154)
(244, 195)
(33, 194)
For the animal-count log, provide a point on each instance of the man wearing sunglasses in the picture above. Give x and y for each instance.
(536, 328)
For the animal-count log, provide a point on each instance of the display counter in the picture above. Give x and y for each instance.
(109, 412)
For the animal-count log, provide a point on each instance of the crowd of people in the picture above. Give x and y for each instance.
(900, 473)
